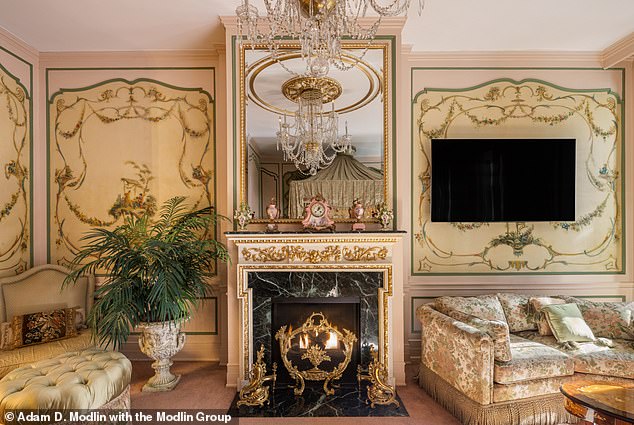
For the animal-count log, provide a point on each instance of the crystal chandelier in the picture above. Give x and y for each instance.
(319, 25)
(311, 142)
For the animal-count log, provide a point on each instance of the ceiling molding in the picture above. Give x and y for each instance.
(134, 58)
(391, 25)
(18, 46)
(619, 51)
(502, 58)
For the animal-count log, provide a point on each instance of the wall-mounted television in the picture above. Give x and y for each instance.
(507, 180)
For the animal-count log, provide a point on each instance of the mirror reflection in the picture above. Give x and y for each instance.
(305, 136)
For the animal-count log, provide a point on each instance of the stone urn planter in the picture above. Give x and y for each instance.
(160, 342)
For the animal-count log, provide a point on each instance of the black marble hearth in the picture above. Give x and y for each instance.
(275, 285)
(347, 401)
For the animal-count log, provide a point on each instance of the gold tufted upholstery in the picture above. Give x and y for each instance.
(13, 359)
(85, 379)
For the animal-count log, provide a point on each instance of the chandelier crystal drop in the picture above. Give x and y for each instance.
(311, 142)
(319, 25)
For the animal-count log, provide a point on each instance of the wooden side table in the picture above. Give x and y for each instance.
(600, 403)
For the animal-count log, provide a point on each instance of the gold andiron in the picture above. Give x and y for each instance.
(255, 393)
(379, 392)
(315, 353)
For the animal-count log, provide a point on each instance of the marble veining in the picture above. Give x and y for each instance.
(269, 285)
(349, 400)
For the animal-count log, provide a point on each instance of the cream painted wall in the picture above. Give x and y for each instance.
(418, 289)
(453, 72)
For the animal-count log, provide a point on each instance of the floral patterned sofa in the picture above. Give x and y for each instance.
(484, 359)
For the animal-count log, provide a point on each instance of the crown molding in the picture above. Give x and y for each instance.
(133, 58)
(18, 46)
(505, 58)
(391, 25)
(620, 51)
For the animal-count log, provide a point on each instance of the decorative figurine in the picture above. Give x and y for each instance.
(255, 393)
(273, 214)
(357, 210)
(243, 215)
(384, 215)
(317, 215)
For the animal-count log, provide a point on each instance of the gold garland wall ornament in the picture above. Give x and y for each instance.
(314, 256)
(316, 354)
(379, 392)
(15, 139)
(530, 109)
(255, 393)
(83, 121)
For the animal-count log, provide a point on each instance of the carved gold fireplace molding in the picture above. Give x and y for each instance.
(245, 296)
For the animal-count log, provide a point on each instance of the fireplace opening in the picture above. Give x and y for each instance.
(322, 350)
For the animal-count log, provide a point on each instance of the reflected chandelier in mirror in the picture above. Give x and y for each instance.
(357, 160)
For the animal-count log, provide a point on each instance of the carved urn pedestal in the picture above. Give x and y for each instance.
(160, 342)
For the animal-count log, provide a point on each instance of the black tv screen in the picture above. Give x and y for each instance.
(485, 180)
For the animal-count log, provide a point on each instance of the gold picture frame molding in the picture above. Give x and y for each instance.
(386, 80)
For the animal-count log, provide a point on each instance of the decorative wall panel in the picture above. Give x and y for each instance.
(15, 157)
(526, 109)
(123, 147)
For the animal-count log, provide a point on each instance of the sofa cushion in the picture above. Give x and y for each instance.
(536, 305)
(609, 361)
(606, 319)
(484, 306)
(567, 324)
(496, 329)
(43, 326)
(517, 311)
(532, 360)
(594, 358)
(23, 356)
(526, 389)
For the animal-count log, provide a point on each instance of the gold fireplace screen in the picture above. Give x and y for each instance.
(315, 338)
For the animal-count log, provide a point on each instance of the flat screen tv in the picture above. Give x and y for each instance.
(508, 180)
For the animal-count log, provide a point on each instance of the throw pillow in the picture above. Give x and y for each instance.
(567, 324)
(606, 319)
(496, 329)
(6, 336)
(44, 326)
(517, 311)
(80, 318)
(484, 306)
(536, 305)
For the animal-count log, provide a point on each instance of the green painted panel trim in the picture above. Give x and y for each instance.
(623, 156)
(48, 123)
(412, 316)
(133, 82)
(29, 94)
(235, 127)
(517, 82)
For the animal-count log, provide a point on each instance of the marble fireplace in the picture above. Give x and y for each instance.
(281, 278)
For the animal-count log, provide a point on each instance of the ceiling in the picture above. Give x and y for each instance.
(445, 25)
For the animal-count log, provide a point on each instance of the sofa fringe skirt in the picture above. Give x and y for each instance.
(542, 410)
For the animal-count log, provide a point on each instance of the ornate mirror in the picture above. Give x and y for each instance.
(279, 112)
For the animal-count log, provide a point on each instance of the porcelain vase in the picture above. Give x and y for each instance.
(160, 342)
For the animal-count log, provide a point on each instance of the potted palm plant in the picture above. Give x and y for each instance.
(155, 276)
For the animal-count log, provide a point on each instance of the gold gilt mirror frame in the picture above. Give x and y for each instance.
(386, 89)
